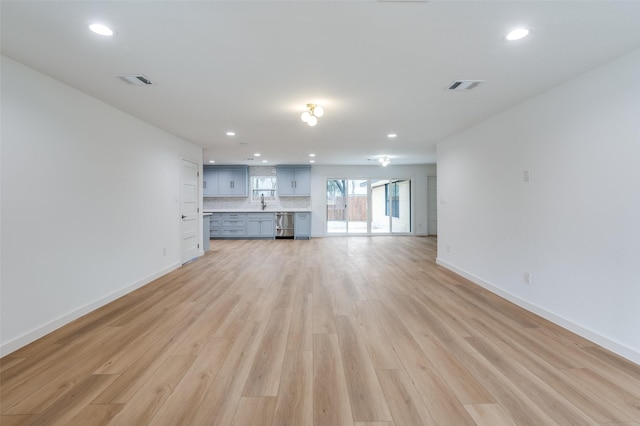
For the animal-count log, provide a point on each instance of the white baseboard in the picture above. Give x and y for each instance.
(612, 345)
(33, 335)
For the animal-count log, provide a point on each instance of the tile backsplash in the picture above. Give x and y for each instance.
(241, 203)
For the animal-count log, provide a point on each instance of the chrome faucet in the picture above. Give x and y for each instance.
(264, 205)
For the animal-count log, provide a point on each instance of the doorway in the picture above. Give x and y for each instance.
(432, 205)
(368, 206)
(189, 211)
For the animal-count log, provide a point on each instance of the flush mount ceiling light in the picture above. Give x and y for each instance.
(384, 160)
(101, 29)
(311, 115)
(231, 133)
(517, 34)
(392, 135)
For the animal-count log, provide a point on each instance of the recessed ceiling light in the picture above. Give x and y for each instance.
(312, 161)
(256, 154)
(517, 34)
(231, 133)
(101, 29)
(264, 161)
(312, 155)
(391, 135)
(212, 161)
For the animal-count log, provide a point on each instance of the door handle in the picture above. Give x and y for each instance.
(183, 216)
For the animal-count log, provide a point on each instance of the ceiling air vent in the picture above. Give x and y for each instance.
(462, 85)
(136, 79)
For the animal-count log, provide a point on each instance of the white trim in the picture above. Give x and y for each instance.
(612, 345)
(36, 333)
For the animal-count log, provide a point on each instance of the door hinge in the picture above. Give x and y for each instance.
(198, 209)
(198, 245)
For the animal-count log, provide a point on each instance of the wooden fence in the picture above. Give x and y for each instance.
(357, 208)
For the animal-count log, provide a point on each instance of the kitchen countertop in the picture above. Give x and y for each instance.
(257, 211)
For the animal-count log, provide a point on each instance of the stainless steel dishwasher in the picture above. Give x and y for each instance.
(284, 225)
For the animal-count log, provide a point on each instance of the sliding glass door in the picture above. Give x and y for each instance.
(336, 205)
(368, 206)
(347, 206)
(380, 220)
(399, 203)
(357, 206)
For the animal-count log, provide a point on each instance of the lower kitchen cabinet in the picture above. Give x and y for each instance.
(228, 225)
(206, 228)
(242, 225)
(234, 225)
(215, 222)
(302, 225)
(260, 225)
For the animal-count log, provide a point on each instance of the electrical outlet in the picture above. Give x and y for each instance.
(526, 176)
(527, 278)
(164, 251)
(448, 249)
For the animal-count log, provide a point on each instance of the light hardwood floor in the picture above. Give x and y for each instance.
(335, 331)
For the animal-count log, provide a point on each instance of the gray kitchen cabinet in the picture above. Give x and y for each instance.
(233, 225)
(206, 230)
(225, 181)
(260, 225)
(209, 182)
(242, 225)
(302, 225)
(232, 181)
(294, 180)
(215, 225)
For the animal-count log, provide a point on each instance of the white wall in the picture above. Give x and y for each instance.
(89, 201)
(575, 226)
(418, 175)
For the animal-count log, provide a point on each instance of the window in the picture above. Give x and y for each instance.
(263, 186)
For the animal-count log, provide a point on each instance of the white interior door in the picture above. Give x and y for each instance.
(432, 205)
(189, 211)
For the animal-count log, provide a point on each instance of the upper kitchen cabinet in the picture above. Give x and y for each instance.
(294, 180)
(209, 182)
(232, 181)
(226, 181)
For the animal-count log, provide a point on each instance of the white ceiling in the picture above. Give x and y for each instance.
(376, 67)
